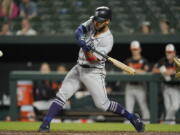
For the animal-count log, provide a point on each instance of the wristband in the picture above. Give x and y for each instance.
(91, 59)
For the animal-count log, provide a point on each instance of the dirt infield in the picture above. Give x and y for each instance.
(85, 133)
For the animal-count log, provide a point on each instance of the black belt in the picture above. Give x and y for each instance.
(87, 66)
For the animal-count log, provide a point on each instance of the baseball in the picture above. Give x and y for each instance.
(1, 53)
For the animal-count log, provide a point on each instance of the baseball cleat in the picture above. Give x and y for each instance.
(45, 127)
(137, 123)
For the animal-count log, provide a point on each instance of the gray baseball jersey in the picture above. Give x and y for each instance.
(93, 78)
(102, 43)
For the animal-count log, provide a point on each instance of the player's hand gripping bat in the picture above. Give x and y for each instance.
(116, 63)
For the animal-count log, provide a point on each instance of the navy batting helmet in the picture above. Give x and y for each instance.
(102, 13)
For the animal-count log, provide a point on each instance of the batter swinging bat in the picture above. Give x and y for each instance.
(116, 63)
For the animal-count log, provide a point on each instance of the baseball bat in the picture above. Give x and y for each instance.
(116, 63)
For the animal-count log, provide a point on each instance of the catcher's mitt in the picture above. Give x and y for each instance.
(177, 62)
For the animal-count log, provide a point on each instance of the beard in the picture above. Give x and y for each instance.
(101, 29)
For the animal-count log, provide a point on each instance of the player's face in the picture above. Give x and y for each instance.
(100, 25)
(170, 54)
(136, 51)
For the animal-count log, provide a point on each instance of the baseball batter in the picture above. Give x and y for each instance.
(90, 70)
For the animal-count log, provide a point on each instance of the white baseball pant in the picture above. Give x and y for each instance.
(92, 78)
(171, 101)
(137, 93)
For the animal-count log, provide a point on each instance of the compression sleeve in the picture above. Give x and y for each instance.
(79, 35)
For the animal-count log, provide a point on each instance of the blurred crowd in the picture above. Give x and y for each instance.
(27, 10)
(9, 10)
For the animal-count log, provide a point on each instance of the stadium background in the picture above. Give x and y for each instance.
(55, 40)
